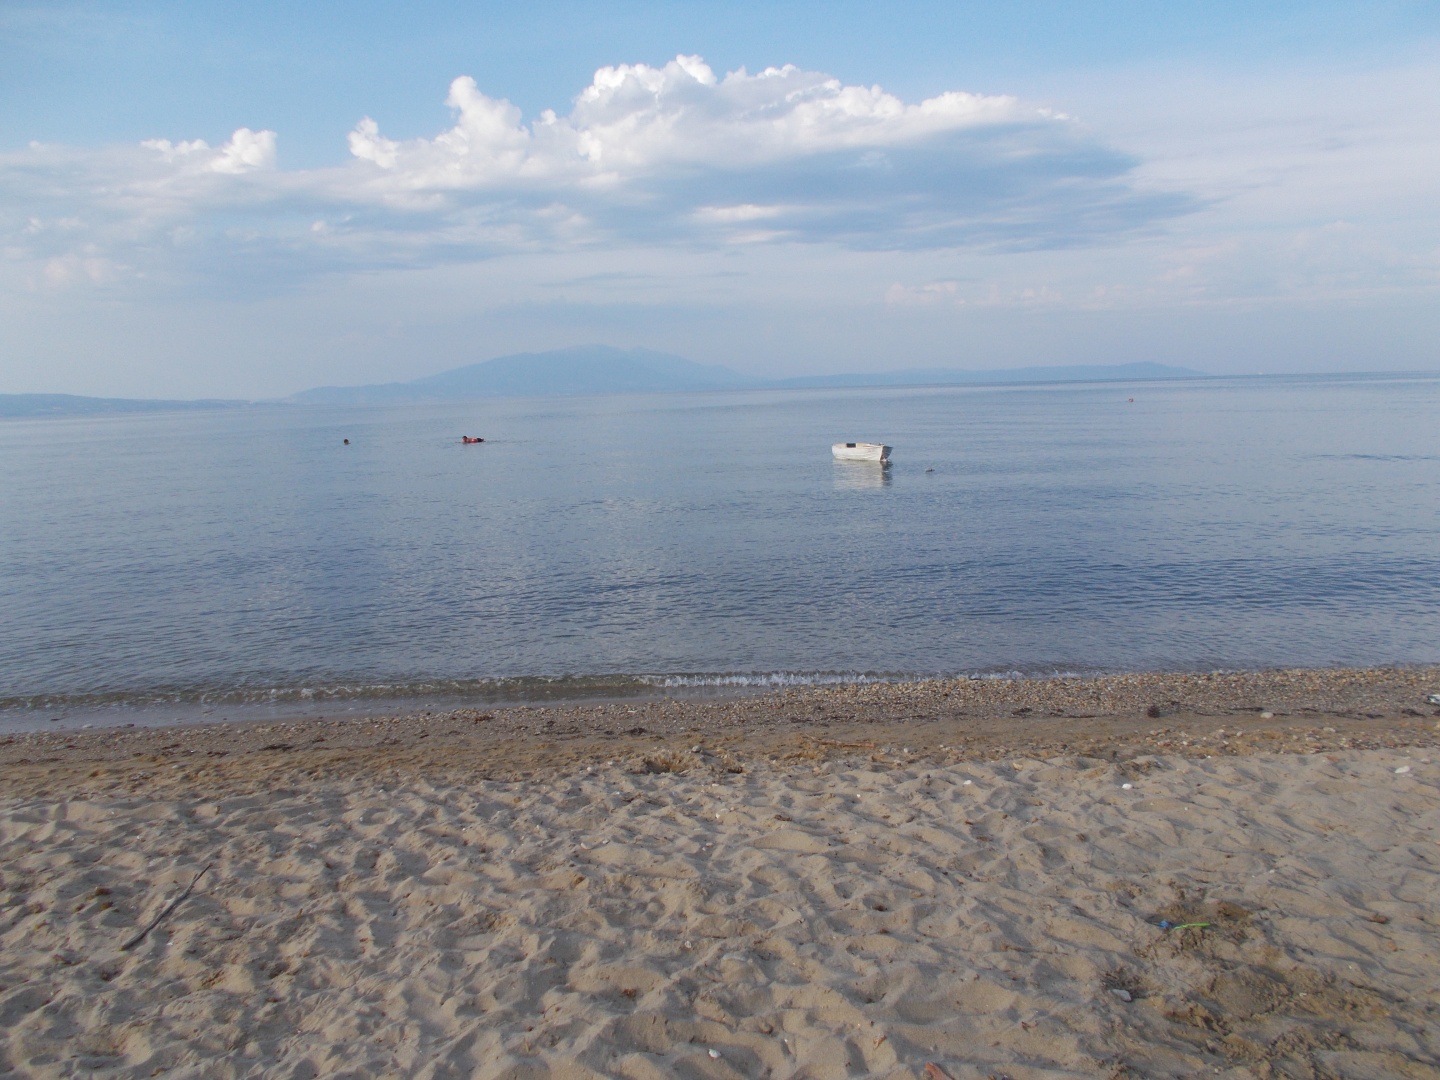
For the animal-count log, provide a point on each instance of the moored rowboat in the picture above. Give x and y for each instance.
(861, 451)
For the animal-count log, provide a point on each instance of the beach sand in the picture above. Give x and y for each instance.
(964, 878)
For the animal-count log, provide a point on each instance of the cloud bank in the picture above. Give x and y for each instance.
(670, 155)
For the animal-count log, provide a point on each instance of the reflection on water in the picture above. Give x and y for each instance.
(857, 475)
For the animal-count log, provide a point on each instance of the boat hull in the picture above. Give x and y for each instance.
(861, 451)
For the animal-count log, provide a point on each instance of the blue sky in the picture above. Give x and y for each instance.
(248, 200)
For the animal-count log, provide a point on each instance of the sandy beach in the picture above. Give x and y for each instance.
(1134, 876)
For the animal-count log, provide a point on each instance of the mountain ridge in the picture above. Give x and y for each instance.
(602, 369)
(581, 369)
(591, 369)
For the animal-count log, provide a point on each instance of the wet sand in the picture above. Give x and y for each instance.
(970, 875)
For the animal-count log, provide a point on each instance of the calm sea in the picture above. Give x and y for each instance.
(205, 564)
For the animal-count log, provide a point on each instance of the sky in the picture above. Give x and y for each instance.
(247, 200)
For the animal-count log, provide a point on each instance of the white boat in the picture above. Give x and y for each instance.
(861, 451)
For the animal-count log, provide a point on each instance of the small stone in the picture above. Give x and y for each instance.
(1123, 995)
(1403, 769)
(1127, 787)
(1267, 716)
(714, 1054)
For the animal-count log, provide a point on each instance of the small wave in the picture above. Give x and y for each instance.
(519, 688)
(373, 698)
(1377, 457)
(776, 679)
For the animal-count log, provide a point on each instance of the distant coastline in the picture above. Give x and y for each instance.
(600, 369)
(584, 370)
(35, 406)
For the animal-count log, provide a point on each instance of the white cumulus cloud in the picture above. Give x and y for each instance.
(633, 118)
(668, 155)
(246, 151)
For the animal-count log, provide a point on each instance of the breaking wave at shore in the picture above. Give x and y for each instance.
(518, 689)
(190, 704)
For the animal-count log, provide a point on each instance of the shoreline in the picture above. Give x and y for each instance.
(27, 714)
(1114, 716)
(69, 713)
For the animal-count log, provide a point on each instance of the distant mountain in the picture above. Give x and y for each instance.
(998, 376)
(592, 369)
(600, 369)
(32, 405)
(584, 369)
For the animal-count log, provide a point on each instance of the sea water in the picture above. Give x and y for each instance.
(168, 563)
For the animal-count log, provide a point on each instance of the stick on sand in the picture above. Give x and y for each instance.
(166, 910)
